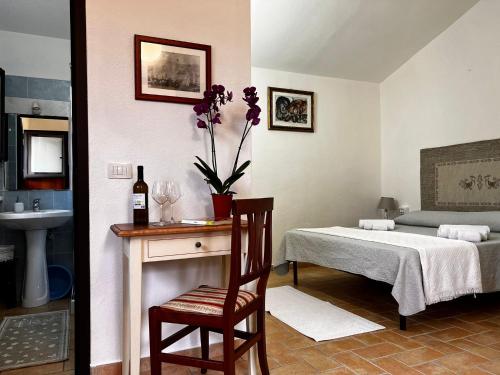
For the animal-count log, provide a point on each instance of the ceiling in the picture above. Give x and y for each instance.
(354, 39)
(39, 17)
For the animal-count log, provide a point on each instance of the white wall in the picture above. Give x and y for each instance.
(161, 136)
(329, 177)
(447, 93)
(35, 56)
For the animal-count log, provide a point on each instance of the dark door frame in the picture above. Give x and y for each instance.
(80, 185)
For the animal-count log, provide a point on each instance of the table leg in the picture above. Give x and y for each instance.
(126, 317)
(132, 331)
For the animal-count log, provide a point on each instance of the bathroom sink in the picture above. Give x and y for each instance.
(35, 220)
(35, 225)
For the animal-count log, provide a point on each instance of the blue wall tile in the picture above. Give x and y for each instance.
(46, 198)
(12, 153)
(62, 242)
(65, 260)
(63, 200)
(66, 227)
(16, 86)
(12, 129)
(16, 238)
(48, 89)
(11, 175)
(10, 198)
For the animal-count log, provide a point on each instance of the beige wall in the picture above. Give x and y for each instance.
(448, 93)
(161, 136)
(329, 177)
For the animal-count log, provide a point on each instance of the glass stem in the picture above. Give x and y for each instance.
(172, 213)
(161, 213)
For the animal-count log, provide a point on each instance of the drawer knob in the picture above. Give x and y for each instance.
(197, 244)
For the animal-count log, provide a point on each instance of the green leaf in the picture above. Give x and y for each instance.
(203, 163)
(242, 167)
(211, 175)
(212, 178)
(231, 180)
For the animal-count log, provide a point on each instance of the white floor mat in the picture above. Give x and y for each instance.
(317, 319)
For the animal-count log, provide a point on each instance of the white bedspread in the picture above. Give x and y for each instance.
(450, 268)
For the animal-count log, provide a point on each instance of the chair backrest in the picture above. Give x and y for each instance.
(258, 214)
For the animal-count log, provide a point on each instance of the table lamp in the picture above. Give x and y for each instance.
(387, 204)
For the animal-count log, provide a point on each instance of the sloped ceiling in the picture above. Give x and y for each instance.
(363, 40)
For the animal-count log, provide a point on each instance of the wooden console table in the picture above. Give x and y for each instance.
(147, 243)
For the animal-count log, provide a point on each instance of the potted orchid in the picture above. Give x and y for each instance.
(208, 118)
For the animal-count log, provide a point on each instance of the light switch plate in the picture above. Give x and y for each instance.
(119, 170)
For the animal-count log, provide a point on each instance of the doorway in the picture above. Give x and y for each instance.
(45, 179)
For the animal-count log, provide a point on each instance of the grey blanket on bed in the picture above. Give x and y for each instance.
(395, 265)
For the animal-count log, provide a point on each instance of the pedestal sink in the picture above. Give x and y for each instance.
(35, 225)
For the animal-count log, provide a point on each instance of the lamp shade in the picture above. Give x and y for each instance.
(387, 203)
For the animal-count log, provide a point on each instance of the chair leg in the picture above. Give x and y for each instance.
(204, 346)
(229, 361)
(154, 340)
(261, 344)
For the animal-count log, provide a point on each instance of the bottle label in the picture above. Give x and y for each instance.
(139, 201)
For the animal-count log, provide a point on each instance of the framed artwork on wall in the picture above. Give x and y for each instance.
(170, 70)
(291, 110)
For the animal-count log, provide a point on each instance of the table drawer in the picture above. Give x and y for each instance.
(178, 247)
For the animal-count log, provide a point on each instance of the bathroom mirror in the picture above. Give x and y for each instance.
(42, 157)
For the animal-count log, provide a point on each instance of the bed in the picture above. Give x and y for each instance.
(460, 184)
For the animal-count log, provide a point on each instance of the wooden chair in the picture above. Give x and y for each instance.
(217, 309)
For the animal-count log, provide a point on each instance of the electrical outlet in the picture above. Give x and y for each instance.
(119, 170)
(404, 210)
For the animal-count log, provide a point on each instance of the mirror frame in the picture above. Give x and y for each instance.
(23, 147)
(27, 148)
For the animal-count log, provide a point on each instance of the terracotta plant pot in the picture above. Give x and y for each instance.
(222, 205)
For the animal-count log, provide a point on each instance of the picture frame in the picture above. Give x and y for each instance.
(290, 110)
(170, 70)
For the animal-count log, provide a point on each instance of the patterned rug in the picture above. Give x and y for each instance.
(34, 339)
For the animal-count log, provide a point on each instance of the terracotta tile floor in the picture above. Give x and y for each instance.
(457, 337)
(60, 368)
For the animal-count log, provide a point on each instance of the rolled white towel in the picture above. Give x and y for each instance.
(377, 224)
(450, 231)
(469, 235)
(459, 234)
(380, 226)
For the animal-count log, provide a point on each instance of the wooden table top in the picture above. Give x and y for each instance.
(132, 230)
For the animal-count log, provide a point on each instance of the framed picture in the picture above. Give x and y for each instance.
(291, 110)
(171, 71)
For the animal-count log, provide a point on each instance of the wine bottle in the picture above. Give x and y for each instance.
(140, 198)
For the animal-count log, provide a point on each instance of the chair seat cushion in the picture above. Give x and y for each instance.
(207, 300)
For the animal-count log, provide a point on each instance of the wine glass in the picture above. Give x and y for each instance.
(160, 195)
(174, 193)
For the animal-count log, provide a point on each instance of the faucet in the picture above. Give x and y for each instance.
(36, 204)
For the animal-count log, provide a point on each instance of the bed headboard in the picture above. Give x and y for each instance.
(464, 177)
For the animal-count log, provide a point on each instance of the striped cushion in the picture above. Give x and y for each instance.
(207, 300)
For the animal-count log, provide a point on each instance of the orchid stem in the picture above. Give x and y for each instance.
(245, 133)
(212, 140)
